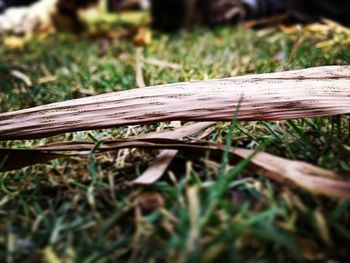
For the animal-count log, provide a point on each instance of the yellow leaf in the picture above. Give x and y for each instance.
(15, 42)
(143, 37)
(50, 256)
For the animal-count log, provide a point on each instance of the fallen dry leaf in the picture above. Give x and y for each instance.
(271, 20)
(311, 92)
(316, 180)
(143, 37)
(309, 177)
(156, 168)
(335, 33)
(149, 202)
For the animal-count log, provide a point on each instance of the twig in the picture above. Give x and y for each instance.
(140, 83)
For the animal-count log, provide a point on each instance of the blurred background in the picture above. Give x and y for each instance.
(87, 210)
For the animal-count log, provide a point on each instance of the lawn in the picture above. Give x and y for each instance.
(86, 209)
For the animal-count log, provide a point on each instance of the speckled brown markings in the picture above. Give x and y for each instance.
(274, 96)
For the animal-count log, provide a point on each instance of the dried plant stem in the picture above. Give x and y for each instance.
(277, 96)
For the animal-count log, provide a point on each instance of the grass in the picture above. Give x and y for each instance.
(84, 210)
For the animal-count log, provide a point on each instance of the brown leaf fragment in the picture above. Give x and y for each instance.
(304, 175)
(271, 20)
(157, 167)
(149, 202)
(310, 250)
(143, 37)
(16, 159)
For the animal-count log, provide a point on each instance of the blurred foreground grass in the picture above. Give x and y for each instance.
(84, 210)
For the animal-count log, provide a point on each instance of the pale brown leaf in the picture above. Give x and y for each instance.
(276, 96)
(309, 177)
(304, 175)
(157, 167)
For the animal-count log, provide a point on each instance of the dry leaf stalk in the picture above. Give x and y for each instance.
(276, 96)
(309, 177)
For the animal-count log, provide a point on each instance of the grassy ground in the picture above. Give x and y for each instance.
(84, 210)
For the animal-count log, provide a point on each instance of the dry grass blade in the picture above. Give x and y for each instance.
(276, 96)
(265, 21)
(140, 82)
(178, 133)
(162, 63)
(309, 177)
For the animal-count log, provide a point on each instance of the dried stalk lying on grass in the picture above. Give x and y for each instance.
(311, 178)
(276, 96)
(11, 159)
